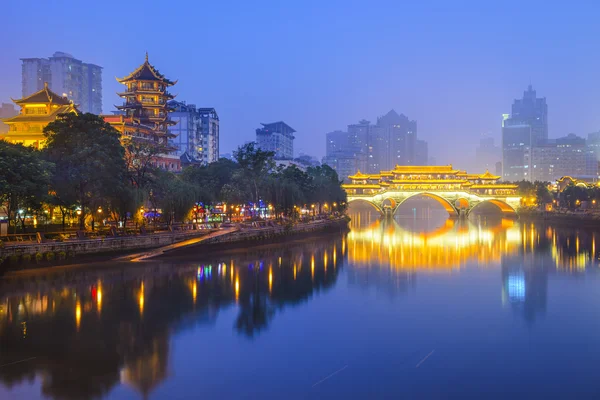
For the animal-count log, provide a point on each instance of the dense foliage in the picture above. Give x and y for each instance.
(87, 168)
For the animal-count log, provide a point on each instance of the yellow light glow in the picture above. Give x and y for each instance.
(237, 288)
(99, 299)
(141, 298)
(270, 280)
(194, 291)
(77, 314)
(312, 266)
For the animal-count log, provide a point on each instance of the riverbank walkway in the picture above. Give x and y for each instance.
(146, 255)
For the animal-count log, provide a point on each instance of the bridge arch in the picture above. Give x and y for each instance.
(389, 202)
(363, 201)
(442, 201)
(504, 207)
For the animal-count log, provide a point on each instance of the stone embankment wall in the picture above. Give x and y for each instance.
(105, 245)
(270, 233)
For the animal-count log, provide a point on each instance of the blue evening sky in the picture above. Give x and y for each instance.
(454, 66)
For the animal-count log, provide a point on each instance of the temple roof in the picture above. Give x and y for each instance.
(146, 72)
(359, 175)
(41, 117)
(43, 96)
(487, 175)
(359, 186)
(429, 169)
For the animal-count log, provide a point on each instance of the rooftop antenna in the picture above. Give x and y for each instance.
(146, 56)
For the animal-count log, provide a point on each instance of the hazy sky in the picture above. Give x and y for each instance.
(454, 66)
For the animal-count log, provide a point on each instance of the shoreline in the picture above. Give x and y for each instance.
(574, 220)
(169, 246)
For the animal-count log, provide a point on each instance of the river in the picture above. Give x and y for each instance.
(405, 308)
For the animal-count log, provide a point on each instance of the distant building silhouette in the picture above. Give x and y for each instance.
(487, 154)
(525, 128)
(372, 148)
(7, 110)
(78, 81)
(555, 158)
(277, 137)
(344, 153)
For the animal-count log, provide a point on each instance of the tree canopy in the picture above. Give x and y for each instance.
(89, 159)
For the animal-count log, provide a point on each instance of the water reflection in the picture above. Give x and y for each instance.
(85, 332)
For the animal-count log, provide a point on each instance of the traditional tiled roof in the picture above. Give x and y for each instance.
(487, 175)
(146, 72)
(359, 175)
(41, 117)
(495, 186)
(430, 169)
(44, 96)
(359, 186)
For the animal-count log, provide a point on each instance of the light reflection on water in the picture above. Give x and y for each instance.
(111, 330)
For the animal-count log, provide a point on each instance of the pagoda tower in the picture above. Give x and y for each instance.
(144, 113)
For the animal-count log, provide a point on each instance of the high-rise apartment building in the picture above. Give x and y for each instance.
(555, 158)
(196, 133)
(78, 81)
(393, 141)
(209, 135)
(524, 129)
(186, 131)
(277, 137)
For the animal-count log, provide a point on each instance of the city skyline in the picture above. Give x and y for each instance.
(482, 72)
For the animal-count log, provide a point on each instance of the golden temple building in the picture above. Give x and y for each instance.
(145, 112)
(37, 111)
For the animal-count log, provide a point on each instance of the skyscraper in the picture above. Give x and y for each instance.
(532, 111)
(277, 137)
(525, 128)
(78, 81)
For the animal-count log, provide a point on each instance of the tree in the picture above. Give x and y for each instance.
(140, 159)
(24, 180)
(327, 186)
(573, 195)
(173, 196)
(255, 164)
(210, 179)
(542, 194)
(88, 156)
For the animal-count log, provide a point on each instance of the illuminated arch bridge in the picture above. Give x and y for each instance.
(457, 191)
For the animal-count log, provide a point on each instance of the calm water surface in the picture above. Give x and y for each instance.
(412, 308)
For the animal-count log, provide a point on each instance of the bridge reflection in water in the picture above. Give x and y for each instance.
(441, 243)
